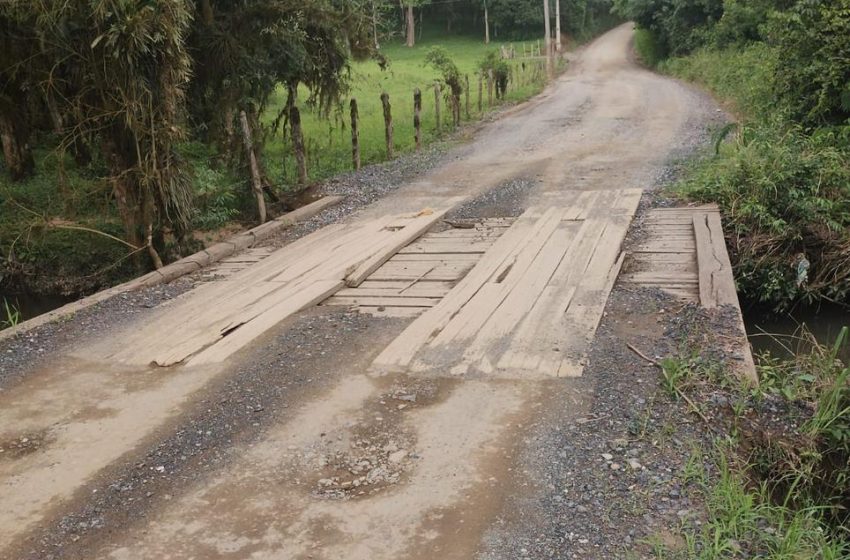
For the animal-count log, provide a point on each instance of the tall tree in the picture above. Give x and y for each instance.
(18, 47)
(410, 19)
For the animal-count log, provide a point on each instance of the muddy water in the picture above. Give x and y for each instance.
(30, 306)
(780, 334)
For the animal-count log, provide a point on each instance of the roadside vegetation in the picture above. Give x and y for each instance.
(774, 482)
(782, 174)
(125, 126)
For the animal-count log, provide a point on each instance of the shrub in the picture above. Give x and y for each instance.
(648, 49)
(501, 71)
(814, 71)
(785, 195)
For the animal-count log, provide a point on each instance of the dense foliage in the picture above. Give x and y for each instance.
(783, 182)
(118, 85)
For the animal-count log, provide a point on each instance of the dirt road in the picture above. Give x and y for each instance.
(290, 449)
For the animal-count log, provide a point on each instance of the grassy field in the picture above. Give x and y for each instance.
(329, 139)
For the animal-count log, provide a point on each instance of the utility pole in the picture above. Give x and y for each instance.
(558, 25)
(548, 29)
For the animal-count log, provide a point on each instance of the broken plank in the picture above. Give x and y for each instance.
(400, 352)
(417, 290)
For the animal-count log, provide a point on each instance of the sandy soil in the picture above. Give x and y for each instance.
(291, 450)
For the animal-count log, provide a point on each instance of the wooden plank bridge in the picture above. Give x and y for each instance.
(516, 298)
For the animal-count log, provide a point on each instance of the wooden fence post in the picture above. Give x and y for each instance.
(388, 123)
(466, 91)
(437, 106)
(455, 111)
(489, 88)
(298, 143)
(256, 182)
(417, 120)
(355, 135)
(480, 91)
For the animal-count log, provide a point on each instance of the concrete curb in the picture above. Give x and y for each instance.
(184, 266)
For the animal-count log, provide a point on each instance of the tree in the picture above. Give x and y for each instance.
(486, 25)
(410, 19)
(438, 58)
(114, 76)
(18, 45)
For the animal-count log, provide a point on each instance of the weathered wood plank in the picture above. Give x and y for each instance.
(245, 334)
(716, 283)
(400, 352)
(381, 301)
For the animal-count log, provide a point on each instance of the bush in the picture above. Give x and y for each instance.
(814, 71)
(784, 190)
(785, 196)
(501, 71)
(648, 48)
(746, 77)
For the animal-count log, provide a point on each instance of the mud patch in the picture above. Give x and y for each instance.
(376, 451)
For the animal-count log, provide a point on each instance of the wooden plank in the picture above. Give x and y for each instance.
(245, 334)
(363, 236)
(221, 319)
(399, 239)
(393, 312)
(662, 250)
(380, 301)
(400, 352)
(717, 286)
(672, 277)
(471, 318)
(583, 320)
(402, 284)
(675, 209)
(521, 299)
(434, 257)
(417, 290)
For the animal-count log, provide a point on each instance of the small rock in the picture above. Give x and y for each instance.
(607, 456)
(397, 457)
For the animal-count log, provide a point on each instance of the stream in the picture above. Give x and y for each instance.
(779, 334)
(30, 306)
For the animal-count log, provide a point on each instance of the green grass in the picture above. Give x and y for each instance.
(741, 521)
(775, 485)
(328, 140)
(10, 315)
